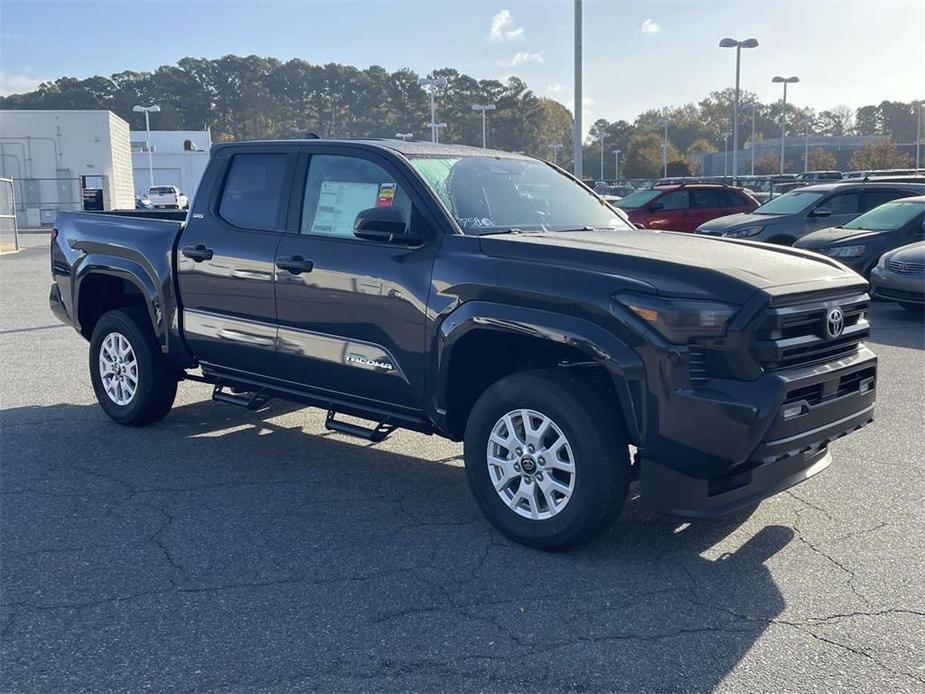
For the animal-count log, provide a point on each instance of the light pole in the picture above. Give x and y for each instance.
(601, 137)
(783, 115)
(435, 129)
(725, 154)
(754, 106)
(738, 45)
(616, 164)
(404, 136)
(147, 110)
(483, 108)
(918, 136)
(430, 85)
(576, 144)
(664, 121)
(555, 152)
(805, 146)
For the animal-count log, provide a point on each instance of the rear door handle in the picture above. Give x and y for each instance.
(295, 264)
(198, 252)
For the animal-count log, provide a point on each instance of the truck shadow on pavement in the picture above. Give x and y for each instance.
(220, 549)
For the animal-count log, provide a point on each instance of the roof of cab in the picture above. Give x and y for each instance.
(408, 148)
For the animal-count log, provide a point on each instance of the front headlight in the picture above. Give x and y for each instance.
(679, 320)
(745, 232)
(845, 251)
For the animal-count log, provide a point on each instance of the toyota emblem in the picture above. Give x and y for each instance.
(834, 322)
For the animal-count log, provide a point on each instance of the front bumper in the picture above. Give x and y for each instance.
(746, 441)
(893, 287)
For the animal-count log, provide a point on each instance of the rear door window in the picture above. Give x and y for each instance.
(707, 199)
(875, 198)
(255, 187)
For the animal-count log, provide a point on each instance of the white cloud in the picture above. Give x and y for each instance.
(503, 28)
(588, 101)
(555, 88)
(523, 57)
(650, 26)
(11, 83)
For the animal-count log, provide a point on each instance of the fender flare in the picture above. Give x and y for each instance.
(622, 363)
(132, 272)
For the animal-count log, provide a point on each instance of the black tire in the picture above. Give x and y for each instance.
(916, 309)
(595, 432)
(156, 378)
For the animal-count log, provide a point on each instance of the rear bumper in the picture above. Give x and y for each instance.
(760, 446)
(56, 303)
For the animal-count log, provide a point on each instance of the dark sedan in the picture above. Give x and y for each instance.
(900, 276)
(860, 243)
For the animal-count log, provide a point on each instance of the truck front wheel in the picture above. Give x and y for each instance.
(547, 459)
(134, 382)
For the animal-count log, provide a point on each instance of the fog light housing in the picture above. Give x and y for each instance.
(792, 411)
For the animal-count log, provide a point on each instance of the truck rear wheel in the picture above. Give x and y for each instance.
(134, 382)
(547, 459)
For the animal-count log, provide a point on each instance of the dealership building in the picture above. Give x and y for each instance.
(65, 160)
(90, 160)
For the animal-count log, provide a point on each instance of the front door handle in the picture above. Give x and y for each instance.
(295, 264)
(198, 252)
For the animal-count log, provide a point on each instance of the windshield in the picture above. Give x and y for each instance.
(789, 203)
(638, 199)
(890, 216)
(492, 194)
(161, 191)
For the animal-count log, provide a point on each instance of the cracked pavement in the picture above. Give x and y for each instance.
(225, 550)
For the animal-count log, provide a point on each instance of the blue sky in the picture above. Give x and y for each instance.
(638, 55)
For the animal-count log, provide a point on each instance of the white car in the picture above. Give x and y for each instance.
(167, 197)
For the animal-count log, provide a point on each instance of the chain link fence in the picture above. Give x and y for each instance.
(9, 232)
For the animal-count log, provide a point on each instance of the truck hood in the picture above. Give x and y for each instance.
(672, 263)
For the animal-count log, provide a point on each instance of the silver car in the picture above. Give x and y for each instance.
(791, 216)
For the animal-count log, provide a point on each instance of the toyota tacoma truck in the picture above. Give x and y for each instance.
(487, 297)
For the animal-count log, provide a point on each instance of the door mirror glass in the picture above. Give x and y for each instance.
(822, 212)
(386, 224)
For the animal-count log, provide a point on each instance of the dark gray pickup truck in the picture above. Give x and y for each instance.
(487, 297)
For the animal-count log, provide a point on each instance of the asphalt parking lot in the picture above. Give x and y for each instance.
(225, 550)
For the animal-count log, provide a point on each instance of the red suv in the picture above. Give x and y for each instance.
(684, 207)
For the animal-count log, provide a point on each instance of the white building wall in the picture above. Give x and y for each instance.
(46, 153)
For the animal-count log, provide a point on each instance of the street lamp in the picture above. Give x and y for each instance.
(805, 146)
(404, 136)
(483, 109)
(601, 138)
(754, 107)
(435, 129)
(576, 136)
(738, 45)
(616, 164)
(555, 147)
(783, 114)
(725, 154)
(918, 136)
(664, 121)
(147, 110)
(430, 84)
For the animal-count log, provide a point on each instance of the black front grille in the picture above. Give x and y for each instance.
(697, 366)
(904, 267)
(794, 334)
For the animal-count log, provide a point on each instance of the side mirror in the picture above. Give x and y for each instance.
(639, 226)
(385, 224)
(822, 212)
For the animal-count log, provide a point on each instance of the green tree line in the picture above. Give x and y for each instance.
(253, 97)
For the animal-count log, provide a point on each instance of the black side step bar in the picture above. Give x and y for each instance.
(252, 401)
(377, 434)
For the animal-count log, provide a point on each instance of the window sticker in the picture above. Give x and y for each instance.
(386, 195)
(338, 205)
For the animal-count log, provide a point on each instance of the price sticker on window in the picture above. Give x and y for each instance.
(386, 195)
